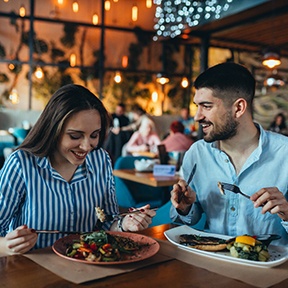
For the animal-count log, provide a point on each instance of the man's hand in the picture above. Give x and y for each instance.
(182, 196)
(272, 200)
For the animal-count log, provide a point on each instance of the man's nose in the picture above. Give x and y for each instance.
(198, 116)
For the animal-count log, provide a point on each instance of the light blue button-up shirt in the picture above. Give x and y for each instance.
(33, 193)
(233, 214)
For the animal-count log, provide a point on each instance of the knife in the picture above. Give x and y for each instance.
(190, 178)
(58, 232)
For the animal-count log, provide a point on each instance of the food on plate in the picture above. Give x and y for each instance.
(100, 246)
(207, 243)
(220, 186)
(247, 247)
(100, 214)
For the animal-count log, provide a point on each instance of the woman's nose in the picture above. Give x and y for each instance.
(86, 144)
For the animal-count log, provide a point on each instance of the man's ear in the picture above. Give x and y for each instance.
(240, 107)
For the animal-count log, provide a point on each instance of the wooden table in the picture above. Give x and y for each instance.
(146, 177)
(19, 271)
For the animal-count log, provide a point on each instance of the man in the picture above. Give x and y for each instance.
(187, 121)
(115, 142)
(234, 150)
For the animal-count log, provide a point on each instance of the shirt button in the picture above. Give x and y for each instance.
(226, 160)
(232, 209)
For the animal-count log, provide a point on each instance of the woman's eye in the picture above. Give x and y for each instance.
(95, 135)
(74, 137)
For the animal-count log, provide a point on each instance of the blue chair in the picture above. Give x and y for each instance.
(132, 194)
(19, 134)
(162, 217)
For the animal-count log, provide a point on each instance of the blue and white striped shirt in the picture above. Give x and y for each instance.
(33, 193)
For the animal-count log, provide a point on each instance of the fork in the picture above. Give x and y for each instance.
(231, 187)
(235, 189)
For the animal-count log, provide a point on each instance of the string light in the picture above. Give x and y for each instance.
(60, 2)
(73, 60)
(95, 19)
(39, 73)
(107, 5)
(14, 97)
(154, 96)
(175, 16)
(22, 11)
(134, 13)
(148, 3)
(117, 77)
(184, 82)
(75, 6)
(124, 61)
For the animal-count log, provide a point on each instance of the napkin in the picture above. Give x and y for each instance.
(80, 272)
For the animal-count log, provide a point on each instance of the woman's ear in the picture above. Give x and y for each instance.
(240, 107)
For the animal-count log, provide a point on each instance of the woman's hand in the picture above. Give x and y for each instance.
(19, 241)
(138, 221)
(182, 196)
(272, 200)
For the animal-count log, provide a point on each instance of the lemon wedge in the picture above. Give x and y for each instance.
(246, 240)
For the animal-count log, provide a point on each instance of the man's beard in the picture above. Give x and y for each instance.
(223, 131)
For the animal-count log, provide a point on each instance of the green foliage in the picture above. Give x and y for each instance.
(39, 46)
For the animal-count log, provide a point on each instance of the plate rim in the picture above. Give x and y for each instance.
(123, 234)
(217, 255)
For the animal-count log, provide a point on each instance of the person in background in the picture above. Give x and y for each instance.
(279, 124)
(187, 121)
(235, 150)
(145, 139)
(177, 140)
(139, 115)
(115, 142)
(59, 174)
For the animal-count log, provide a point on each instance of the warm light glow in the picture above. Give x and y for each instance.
(72, 60)
(154, 96)
(95, 19)
(22, 11)
(124, 61)
(148, 3)
(14, 97)
(107, 5)
(184, 82)
(271, 63)
(115, 1)
(39, 73)
(6, 1)
(271, 59)
(11, 66)
(75, 6)
(134, 13)
(117, 77)
(60, 2)
(162, 79)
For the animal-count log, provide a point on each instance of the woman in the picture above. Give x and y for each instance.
(279, 124)
(59, 174)
(145, 139)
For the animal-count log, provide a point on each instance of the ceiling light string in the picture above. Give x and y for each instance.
(175, 16)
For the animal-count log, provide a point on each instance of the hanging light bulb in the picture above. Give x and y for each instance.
(162, 79)
(60, 2)
(22, 11)
(154, 96)
(6, 1)
(95, 19)
(107, 5)
(271, 58)
(184, 82)
(117, 77)
(14, 97)
(274, 80)
(124, 61)
(148, 3)
(75, 6)
(134, 13)
(73, 60)
(115, 1)
(39, 73)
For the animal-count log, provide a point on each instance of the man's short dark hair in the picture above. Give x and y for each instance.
(228, 81)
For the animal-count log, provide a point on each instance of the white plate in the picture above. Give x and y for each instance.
(278, 254)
